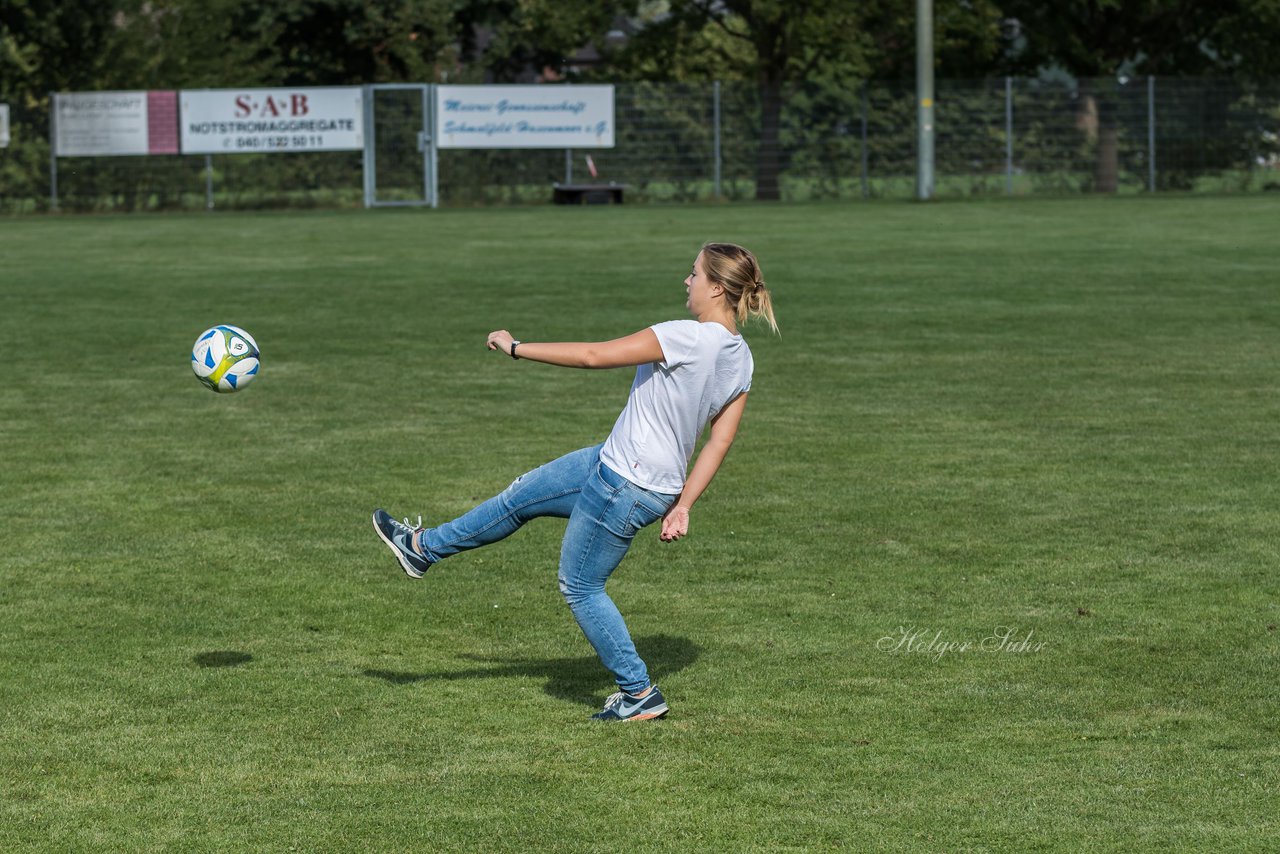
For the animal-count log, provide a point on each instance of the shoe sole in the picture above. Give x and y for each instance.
(647, 716)
(404, 564)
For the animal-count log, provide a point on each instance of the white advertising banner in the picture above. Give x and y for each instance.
(90, 124)
(222, 121)
(4, 125)
(551, 116)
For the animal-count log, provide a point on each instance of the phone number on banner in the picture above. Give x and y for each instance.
(275, 143)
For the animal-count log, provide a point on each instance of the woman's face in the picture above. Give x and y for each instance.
(700, 289)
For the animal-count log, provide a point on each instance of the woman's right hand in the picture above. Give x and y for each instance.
(500, 340)
(675, 524)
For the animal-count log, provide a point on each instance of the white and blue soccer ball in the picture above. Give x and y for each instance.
(225, 358)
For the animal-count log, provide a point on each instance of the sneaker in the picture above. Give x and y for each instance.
(624, 707)
(399, 538)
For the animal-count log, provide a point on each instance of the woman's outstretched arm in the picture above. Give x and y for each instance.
(724, 427)
(636, 349)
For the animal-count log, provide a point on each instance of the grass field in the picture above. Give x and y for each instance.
(1055, 417)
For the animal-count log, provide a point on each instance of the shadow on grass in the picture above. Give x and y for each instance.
(578, 679)
(222, 658)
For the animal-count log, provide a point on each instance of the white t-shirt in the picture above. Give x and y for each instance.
(704, 367)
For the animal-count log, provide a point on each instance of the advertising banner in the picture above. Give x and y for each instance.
(96, 124)
(552, 116)
(225, 121)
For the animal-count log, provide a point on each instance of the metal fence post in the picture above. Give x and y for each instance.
(568, 165)
(715, 108)
(866, 178)
(370, 162)
(434, 154)
(1151, 132)
(1008, 136)
(53, 151)
(424, 145)
(208, 182)
(925, 136)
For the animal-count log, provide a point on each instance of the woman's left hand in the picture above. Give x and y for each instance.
(675, 524)
(500, 340)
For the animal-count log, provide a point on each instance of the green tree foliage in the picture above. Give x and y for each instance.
(507, 40)
(1098, 40)
(76, 45)
(767, 42)
(967, 38)
(176, 44)
(1243, 40)
(51, 45)
(779, 45)
(56, 46)
(349, 42)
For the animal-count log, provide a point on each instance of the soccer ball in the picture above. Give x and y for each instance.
(225, 358)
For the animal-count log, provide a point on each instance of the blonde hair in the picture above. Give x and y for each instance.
(736, 270)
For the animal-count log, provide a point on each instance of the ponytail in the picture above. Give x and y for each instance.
(736, 270)
(756, 302)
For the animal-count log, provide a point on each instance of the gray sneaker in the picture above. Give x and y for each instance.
(399, 538)
(624, 707)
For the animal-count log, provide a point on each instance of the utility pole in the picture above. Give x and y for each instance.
(924, 99)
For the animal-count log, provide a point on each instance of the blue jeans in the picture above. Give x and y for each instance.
(604, 509)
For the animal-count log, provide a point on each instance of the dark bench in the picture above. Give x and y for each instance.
(587, 194)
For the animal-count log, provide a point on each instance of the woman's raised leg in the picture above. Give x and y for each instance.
(549, 490)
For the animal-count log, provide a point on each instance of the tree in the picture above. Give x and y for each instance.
(506, 40)
(47, 45)
(776, 44)
(346, 42)
(190, 44)
(1098, 39)
(1243, 41)
(772, 43)
(967, 38)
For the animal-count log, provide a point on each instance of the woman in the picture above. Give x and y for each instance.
(688, 373)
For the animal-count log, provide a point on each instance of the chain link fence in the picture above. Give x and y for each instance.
(687, 142)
